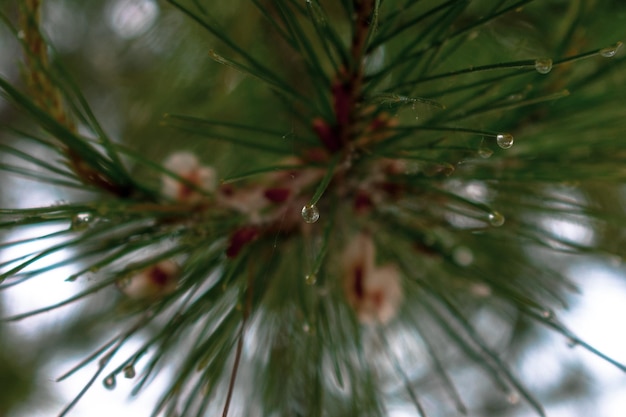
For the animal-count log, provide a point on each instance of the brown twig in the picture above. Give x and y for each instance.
(43, 91)
(49, 98)
(233, 375)
(347, 92)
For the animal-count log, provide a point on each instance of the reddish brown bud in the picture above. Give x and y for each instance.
(393, 189)
(240, 238)
(381, 121)
(277, 195)
(316, 155)
(362, 202)
(327, 134)
(341, 100)
(227, 190)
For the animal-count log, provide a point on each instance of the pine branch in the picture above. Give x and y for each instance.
(424, 160)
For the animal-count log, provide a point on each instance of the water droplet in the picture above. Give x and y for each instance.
(463, 256)
(447, 169)
(306, 328)
(571, 342)
(615, 261)
(72, 278)
(611, 51)
(495, 218)
(81, 221)
(21, 35)
(547, 314)
(109, 382)
(513, 398)
(543, 66)
(444, 169)
(310, 213)
(505, 140)
(129, 372)
(480, 290)
(484, 152)
(124, 281)
(310, 279)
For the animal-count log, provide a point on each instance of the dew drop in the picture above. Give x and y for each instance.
(310, 279)
(480, 290)
(444, 169)
(571, 342)
(306, 328)
(447, 169)
(81, 221)
(123, 282)
(615, 261)
(484, 152)
(505, 140)
(513, 398)
(109, 382)
(129, 372)
(611, 51)
(310, 213)
(495, 218)
(543, 66)
(463, 256)
(547, 314)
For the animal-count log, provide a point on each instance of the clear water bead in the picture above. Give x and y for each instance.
(484, 152)
(447, 169)
(310, 279)
(571, 342)
(495, 218)
(504, 140)
(109, 382)
(310, 213)
(513, 398)
(81, 221)
(543, 66)
(611, 51)
(129, 372)
(463, 256)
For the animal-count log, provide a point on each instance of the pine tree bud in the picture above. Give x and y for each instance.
(186, 165)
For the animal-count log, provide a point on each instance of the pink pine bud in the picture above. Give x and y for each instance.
(240, 238)
(374, 292)
(277, 195)
(186, 165)
(327, 134)
(153, 282)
